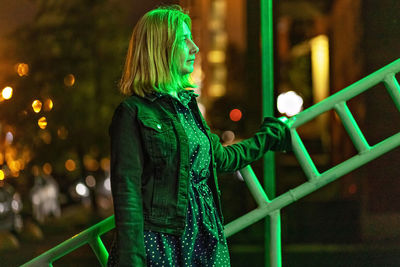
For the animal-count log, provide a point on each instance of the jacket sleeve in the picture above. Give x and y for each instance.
(126, 172)
(273, 135)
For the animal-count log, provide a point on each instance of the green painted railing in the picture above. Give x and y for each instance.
(266, 207)
(90, 236)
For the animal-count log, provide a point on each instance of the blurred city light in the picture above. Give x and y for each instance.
(217, 90)
(107, 184)
(90, 163)
(289, 103)
(7, 92)
(48, 104)
(47, 168)
(216, 56)
(70, 165)
(82, 190)
(62, 133)
(9, 138)
(320, 67)
(45, 136)
(2, 175)
(105, 164)
(42, 122)
(69, 80)
(37, 106)
(22, 69)
(90, 181)
(228, 137)
(235, 114)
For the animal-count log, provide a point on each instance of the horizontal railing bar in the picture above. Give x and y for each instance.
(347, 93)
(351, 127)
(73, 243)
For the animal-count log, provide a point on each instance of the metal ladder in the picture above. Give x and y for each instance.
(267, 207)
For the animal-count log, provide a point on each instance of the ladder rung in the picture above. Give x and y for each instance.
(351, 127)
(394, 89)
(303, 157)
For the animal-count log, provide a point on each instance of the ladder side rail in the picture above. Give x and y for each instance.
(347, 93)
(69, 245)
(352, 127)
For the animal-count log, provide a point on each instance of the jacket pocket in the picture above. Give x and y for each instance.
(158, 137)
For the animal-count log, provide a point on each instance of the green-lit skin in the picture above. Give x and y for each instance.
(186, 51)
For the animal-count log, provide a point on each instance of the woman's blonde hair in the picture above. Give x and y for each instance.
(149, 64)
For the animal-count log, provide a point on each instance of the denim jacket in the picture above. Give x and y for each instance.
(150, 168)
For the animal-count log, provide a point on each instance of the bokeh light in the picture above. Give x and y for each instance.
(9, 138)
(2, 175)
(228, 137)
(7, 92)
(22, 69)
(70, 165)
(36, 106)
(107, 184)
(289, 103)
(90, 181)
(62, 133)
(235, 114)
(105, 164)
(82, 190)
(45, 136)
(47, 168)
(90, 163)
(69, 80)
(42, 122)
(48, 104)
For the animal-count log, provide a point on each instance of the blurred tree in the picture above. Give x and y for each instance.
(75, 51)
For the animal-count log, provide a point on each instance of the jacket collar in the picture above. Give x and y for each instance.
(184, 94)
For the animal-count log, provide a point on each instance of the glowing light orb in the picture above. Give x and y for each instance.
(235, 114)
(7, 92)
(48, 104)
(69, 80)
(82, 190)
(47, 168)
(22, 69)
(42, 122)
(289, 103)
(90, 181)
(107, 184)
(70, 165)
(36, 106)
(9, 137)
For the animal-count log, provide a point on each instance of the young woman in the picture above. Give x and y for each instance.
(164, 159)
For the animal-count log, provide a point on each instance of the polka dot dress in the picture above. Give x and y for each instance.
(202, 242)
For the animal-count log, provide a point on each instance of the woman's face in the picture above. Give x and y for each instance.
(186, 50)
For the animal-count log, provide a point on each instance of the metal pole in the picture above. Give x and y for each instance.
(272, 244)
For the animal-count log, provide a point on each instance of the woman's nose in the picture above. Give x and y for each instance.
(194, 49)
